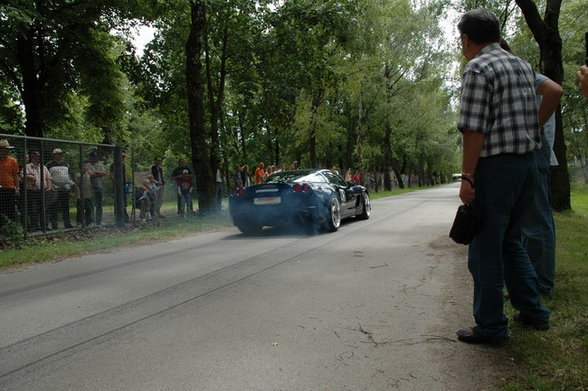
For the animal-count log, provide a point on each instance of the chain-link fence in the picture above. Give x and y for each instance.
(51, 185)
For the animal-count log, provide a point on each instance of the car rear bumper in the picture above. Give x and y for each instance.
(275, 215)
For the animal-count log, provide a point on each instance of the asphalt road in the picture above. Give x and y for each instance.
(373, 306)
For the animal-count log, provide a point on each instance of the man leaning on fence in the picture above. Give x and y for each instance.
(37, 182)
(9, 183)
(62, 184)
(96, 171)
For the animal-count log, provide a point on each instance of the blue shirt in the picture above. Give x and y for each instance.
(549, 126)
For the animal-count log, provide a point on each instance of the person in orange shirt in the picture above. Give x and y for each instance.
(260, 174)
(9, 183)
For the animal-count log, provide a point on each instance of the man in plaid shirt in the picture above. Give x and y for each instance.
(500, 125)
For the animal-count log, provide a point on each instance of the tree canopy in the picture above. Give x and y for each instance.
(360, 84)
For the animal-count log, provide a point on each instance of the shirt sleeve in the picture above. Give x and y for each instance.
(475, 102)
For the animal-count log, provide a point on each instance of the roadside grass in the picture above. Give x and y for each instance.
(77, 243)
(381, 194)
(558, 359)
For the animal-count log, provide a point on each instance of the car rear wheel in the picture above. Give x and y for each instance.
(249, 229)
(334, 215)
(366, 207)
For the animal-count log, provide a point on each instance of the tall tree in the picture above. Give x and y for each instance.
(195, 46)
(546, 33)
(49, 49)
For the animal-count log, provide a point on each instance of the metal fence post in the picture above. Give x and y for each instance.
(119, 187)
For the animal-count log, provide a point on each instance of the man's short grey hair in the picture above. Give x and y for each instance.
(480, 25)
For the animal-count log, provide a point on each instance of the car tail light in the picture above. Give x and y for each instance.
(238, 191)
(298, 187)
(241, 191)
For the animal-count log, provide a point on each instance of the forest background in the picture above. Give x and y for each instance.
(370, 85)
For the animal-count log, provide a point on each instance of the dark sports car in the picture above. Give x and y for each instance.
(311, 198)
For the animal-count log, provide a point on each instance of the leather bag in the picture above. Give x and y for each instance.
(467, 222)
(465, 226)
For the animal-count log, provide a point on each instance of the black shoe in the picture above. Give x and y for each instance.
(528, 322)
(68, 226)
(54, 227)
(473, 335)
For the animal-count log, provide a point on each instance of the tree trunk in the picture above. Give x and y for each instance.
(546, 33)
(387, 155)
(216, 103)
(195, 90)
(31, 87)
(316, 102)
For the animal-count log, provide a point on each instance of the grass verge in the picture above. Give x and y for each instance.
(558, 359)
(78, 243)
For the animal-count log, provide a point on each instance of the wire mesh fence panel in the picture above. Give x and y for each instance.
(51, 185)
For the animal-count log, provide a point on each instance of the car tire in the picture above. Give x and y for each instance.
(249, 229)
(366, 207)
(333, 215)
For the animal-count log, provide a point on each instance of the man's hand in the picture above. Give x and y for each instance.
(467, 193)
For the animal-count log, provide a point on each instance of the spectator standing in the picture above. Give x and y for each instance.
(356, 177)
(97, 172)
(184, 182)
(157, 173)
(153, 195)
(176, 175)
(500, 126)
(219, 186)
(20, 197)
(538, 224)
(37, 181)
(582, 75)
(238, 177)
(126, 189)
(260, 173)
(245, 176)
(62, 185)
(144, 200)
(85, 207)
(9, 183)
(348, 175)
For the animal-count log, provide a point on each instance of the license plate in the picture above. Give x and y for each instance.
(267, 200)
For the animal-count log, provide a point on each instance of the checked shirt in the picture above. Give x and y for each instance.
(498, 99)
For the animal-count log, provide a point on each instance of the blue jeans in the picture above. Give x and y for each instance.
(185, 201)
(505, 185)
(98, 196)
(538, 225)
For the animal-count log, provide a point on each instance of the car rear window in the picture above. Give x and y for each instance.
(295, 176)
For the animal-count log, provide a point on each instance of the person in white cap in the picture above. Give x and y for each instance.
(9, 183)
(62, 184)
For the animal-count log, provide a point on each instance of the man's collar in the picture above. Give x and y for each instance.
(488, 48)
